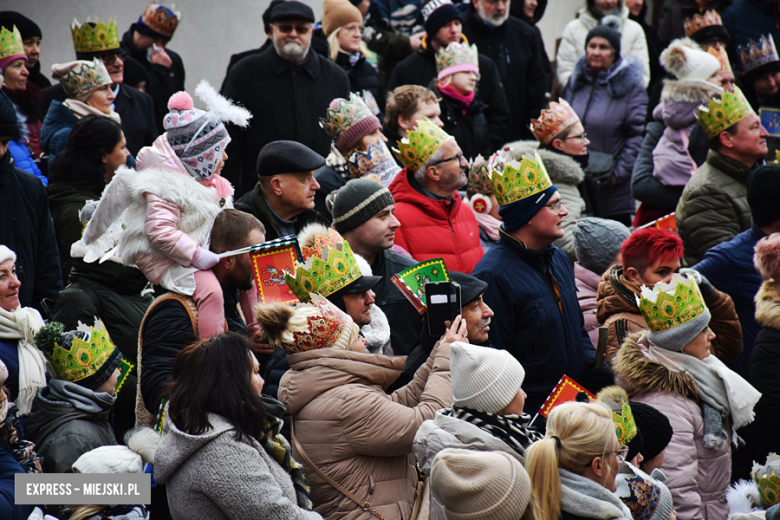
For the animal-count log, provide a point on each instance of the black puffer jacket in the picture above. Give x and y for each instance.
(471, 130)
(403, 318)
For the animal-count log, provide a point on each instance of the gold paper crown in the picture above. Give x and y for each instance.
(11, 43)
(84, 77)
(669, 305)
(456, 54)
(95, 39)
(418, 145)
(723, 58)
(623, 419)
(717, 116)
(753, 55)
(553, 121)
(699, 22)
(513, 181)
(160, 19)
(767, 481)
(347, 112)
(328, 266)
(479, 176)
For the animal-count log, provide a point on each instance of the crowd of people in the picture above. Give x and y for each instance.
(609, 215)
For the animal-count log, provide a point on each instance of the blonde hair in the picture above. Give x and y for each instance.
(84, 512)
(585, 431)
(335, 48)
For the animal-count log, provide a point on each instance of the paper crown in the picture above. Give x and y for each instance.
(324, 329)
(723, 58)
(553, 121)
(717, 116)
(377, 160)
(767, 481)
(699, 22)
(623, 419)
(95, 39)
(418, 145)
(669, 305)
(11, 43)
(84, 77)
(479, 176)
(328, 266)
(753, 55)
(456, 57)
(160, 19)
(346, 114)
(513, 181)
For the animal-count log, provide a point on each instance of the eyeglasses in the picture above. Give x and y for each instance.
(109, 61)
(555, 206)
(459, 157)
(581, 137)
(288, 28)
(621, 454)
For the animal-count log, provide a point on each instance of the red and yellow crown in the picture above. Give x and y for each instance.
(324, 327)
(699, 22)
(553, 121)
(161, 19)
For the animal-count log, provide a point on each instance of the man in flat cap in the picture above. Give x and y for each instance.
(283, 198)
(287, 89)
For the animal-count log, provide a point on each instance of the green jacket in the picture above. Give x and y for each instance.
(713, 207)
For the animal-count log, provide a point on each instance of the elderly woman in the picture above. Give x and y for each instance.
(671, 369)
(221, 455)
(88, 87)
(346, 429)
(606, 92)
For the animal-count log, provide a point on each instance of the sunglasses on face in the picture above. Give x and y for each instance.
(287, 28)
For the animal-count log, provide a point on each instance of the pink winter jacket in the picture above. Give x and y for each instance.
(587, 283)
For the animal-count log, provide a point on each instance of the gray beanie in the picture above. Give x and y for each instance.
(484, 379)
(597, 242)
(676, 338)
(358, 201)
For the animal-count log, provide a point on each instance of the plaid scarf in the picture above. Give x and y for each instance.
(512, 429)
(277, 447)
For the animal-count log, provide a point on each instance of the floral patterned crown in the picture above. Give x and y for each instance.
(160, 19)
(377, 160)
(752, 55)
(456, 57)
(84, 77)
(346, 114)
(324, 328)
(479, 176)
(328, 266)
(11, 43)
(723, 58)
(513, 181)
(719, 115)
(95, 39)
(553, 121)
(669, 305)
(699, 22)
(767, 481)
(418, 145)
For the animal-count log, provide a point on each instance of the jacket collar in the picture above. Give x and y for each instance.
(538, 258)
(621, 78)
(731, 167)
(268, 218)
(280, 66)
(403, 191)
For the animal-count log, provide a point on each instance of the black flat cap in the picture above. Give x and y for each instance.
(471, 287)
(292, 10)
(287, 157)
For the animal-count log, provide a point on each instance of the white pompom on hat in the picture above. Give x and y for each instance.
(141, 447)
(483, 378)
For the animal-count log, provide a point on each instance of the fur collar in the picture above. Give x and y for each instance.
(562, 169)
(639, 375)
(621, 78)
(689, 90)
(768, 304)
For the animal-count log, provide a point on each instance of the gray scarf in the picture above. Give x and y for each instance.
(80, 397)
(584, 498)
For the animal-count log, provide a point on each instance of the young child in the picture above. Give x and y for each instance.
(169, 205)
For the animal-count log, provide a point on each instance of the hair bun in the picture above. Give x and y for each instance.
(180, 101)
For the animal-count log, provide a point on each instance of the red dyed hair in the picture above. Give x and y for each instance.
(646, 246)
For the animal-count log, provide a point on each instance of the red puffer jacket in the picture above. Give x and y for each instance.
(435, 228)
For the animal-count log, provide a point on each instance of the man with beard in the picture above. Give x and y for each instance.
(512, 45)
(287, 89)
(31, 38)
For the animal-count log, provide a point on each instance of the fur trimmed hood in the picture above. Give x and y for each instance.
(621, 77)
(768, 305)
(640, 375)
(689, 90)
(562, 169)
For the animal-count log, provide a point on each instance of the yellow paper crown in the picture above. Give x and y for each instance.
(723, 58)
(553, 121)
(418, 145)
(669, 305)
(699, 22)
(99, 38)
(513, 181)
(721, 114)
(767, 481)
(11, 43)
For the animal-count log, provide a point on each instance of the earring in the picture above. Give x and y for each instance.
(480, 203)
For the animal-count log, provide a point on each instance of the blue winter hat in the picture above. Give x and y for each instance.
(437, 13)
(518, 213)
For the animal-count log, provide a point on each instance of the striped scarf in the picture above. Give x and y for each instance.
(277, 447)
(512, 429)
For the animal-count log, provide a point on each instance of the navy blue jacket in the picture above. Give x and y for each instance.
(549, 342)
(729, 268)
(8, 468)
(750, 19)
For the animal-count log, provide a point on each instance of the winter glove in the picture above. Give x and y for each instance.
(597, 378)
(705, 286)
(204, 259)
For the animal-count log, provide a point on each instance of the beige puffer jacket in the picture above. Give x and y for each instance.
(357, 434)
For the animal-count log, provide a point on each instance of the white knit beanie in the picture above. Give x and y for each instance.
(480, 484)
(6, 254)
(689, 62)
(483, 378)
(141, 447)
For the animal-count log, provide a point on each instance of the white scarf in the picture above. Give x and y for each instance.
(22, 324)
(81, 110)
(741, 394)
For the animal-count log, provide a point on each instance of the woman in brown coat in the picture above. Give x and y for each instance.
(348, 427)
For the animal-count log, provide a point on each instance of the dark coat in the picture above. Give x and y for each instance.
(363, 76)
(28, 231)
(547, 340)
(254, 203)
(654, 46)
(329, 180)
(164, 81)
(235, 58)
(514, 49)
(56, 129)
(473, 132)
(389, 24)
(9, 467)
(286, 101)
(403, 318)
(38, 79)
(420, 69)
(516, 10)
(749, 20)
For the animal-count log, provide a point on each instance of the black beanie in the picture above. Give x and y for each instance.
(763, 185)
(609, 29)
(655, 427)
(9, 122)
(27, 28)
(357, 202)
(438, 13)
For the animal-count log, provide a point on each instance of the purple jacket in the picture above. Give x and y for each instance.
(612, 106)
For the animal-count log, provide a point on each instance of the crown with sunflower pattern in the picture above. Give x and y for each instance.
(767, 481)
(623, 419)
(344, 116)
(479, 176)
(722, 57)
(721, 114)
(99, 38)
(161, 19)
(753, 55)
(86, 356)
(669, 305)
(328, 266)
(513, 181)
(82, 77)
(416, 148)
(553, 121)
(698, 22)
(456, 57)
(11, 43)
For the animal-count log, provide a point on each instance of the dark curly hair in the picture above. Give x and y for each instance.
(82, 161)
